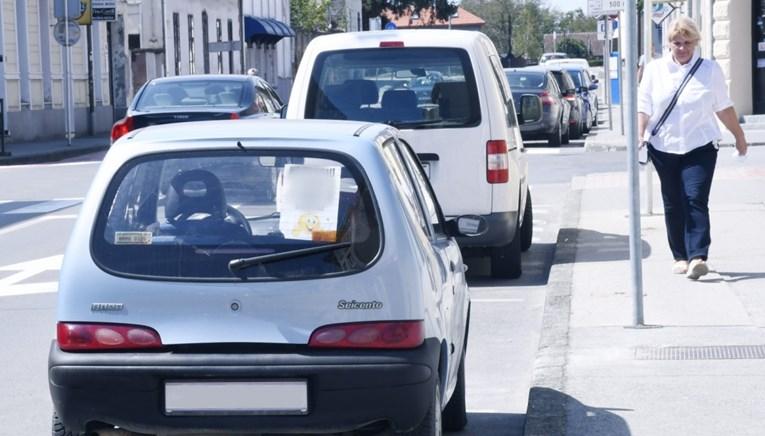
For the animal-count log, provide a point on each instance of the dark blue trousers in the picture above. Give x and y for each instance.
(686, 180)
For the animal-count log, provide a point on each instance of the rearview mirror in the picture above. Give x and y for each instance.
(593, 86)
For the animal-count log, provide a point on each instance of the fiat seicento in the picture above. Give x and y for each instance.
(261, 277)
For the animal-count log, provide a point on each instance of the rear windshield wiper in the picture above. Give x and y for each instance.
(236, 265)
(421, 123)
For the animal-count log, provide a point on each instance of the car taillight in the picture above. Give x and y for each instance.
(384, 334)
(391, 44)
(546, 98)
(121, 127)
(570, 97)
(497, 165)
(91, 337)
(234, 116)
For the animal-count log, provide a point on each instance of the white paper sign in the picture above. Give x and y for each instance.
(308, 199)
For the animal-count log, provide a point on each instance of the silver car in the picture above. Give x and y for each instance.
(190, 302)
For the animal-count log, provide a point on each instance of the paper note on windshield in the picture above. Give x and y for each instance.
(307, 199)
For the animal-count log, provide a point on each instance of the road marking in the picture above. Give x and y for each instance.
(45, 207)
(10, 285)
(34, 221)
(497, 300)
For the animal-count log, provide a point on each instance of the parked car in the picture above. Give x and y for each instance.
(567, 61)
(184, 306)
(550, 56)
(553, 111)
(567, 86)
(198, 97)
(584, 88)
(466, 135)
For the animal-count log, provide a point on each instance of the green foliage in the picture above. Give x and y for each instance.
(373, 8)
(309, 15)
(574, 48)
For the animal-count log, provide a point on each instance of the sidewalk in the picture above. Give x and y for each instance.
(604, 139)
(52, 150)
(698, 367)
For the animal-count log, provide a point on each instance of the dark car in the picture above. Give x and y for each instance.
(552, 123)
(584, 85)
(198, 97)
(568, 87)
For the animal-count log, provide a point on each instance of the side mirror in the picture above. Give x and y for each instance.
(593, 86)
(468, 225)
(531, 109)
(593, 78)
(283, 112)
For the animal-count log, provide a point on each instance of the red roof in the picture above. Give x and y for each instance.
(462, 19)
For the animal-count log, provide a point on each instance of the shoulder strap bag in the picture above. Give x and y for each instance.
(671, 106)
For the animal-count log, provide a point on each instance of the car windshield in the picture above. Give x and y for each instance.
(191, 216)
(161, 95)
(420, 88)
(518, 79)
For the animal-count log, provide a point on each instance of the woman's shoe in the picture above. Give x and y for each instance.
(680, 267)
(696, 269)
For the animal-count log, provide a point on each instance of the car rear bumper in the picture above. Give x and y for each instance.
(502, 229)
(346, 389)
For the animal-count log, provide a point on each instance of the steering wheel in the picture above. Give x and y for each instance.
(234, 216)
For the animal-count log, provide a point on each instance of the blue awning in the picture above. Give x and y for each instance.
(260, 30)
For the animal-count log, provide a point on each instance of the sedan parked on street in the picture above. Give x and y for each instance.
(584, 88)
(552, 122)
(187, 307)
(196, 98)
(567, 86)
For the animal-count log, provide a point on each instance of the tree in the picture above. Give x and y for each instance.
(576, 21)
(574, 48)
(374, 8)
(309, 15)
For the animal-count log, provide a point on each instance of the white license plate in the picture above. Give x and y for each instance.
(281, 397)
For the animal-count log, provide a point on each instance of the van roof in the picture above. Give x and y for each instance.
(410, 38)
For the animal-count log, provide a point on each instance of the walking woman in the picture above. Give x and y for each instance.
(678, 125)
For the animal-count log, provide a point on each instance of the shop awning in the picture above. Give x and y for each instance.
(260, 30)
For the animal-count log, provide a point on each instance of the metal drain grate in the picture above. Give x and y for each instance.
(718, 352)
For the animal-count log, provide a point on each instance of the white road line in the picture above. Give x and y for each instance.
(497, 300)
(34, 221)
(29, 288)
(44, 207)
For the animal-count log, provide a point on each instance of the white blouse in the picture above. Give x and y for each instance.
(692, 123)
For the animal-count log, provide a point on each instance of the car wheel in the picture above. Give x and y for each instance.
(554, 139)
(431, 424)
(527, 228)
(575, 130)
(455, 412)
(566, 137)
(58, 428)
(506, 259)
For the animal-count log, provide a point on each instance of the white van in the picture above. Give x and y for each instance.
(447, 93)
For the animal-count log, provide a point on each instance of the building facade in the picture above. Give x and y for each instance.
(270, 42)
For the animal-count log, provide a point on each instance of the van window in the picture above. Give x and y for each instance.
(187, 215)
(419, 88)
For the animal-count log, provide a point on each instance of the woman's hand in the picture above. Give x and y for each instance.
(741, 145)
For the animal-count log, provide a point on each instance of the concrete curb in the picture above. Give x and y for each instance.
(547, 405)
(51, 156)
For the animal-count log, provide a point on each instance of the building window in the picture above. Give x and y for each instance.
(191, 44)
(219, 36)
(206, 42)
(177, 42)
(230, 51)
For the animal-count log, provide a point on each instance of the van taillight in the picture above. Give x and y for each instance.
(391, 44)
(93, 337)
(497, 165)
(384, 334)
(122, 127)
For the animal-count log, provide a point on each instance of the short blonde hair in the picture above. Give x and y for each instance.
(684, 27)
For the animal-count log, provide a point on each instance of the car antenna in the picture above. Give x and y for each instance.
(239, 144)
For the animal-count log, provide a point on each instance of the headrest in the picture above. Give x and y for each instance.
(399, 98)
(363, 91)
(194, 191)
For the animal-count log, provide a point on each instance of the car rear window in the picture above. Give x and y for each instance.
(184, 94)
(413, 87)
(188, 216)
(518, 79)
(576, 76)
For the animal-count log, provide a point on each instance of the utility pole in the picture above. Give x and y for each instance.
(647, 56)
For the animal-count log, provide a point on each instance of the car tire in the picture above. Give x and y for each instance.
(575, 130)
(506, 259)
(431, 424)
(455, 412)
(527, 227)
(566, 137)
(555, 138)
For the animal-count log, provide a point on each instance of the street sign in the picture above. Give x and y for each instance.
(594, 8)
(104, 10)
(64, 37)
(67, 9)
(604, 7)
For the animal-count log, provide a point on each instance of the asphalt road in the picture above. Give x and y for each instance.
(38, 206)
